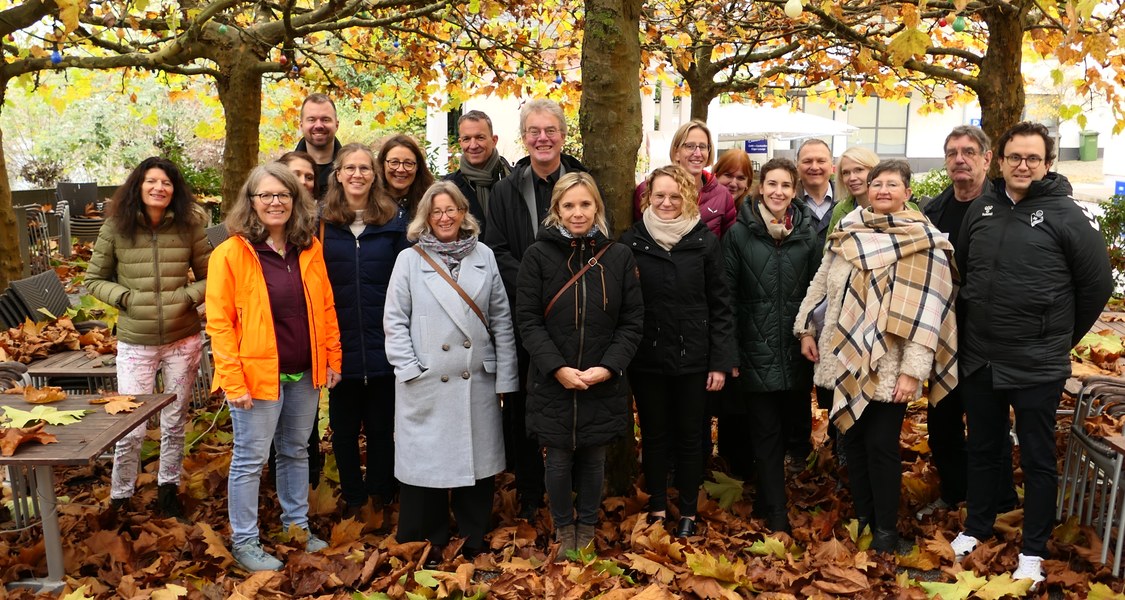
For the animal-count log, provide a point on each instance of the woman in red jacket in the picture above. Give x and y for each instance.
(272, 321)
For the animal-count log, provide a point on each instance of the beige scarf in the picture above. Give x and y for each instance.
(778, 230)
(668, 232)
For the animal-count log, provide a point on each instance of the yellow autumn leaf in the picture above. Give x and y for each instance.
(1101, 591)
(68, 14)
(1003, 585)
(78, 594)
(908, 44)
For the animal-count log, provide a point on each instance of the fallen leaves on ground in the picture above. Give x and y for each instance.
(11, 438)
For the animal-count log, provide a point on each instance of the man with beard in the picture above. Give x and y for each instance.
(318, 131)
(481, 165)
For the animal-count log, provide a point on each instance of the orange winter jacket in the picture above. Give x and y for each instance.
(240, 322)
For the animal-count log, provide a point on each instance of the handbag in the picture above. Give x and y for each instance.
(460, 291)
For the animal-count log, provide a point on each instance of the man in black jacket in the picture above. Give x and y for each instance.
(516, 209)
(1035, 278)
(318, 137)
(968, 152)
(481, 165)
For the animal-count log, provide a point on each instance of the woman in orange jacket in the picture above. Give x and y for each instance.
(272, 321)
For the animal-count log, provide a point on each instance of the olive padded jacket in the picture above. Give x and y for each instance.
(147, 279)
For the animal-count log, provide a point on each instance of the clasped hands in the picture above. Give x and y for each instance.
(573, 379)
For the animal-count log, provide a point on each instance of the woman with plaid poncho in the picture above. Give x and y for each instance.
(889, 324)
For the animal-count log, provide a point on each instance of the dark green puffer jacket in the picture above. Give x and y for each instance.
(147, 278)
(768, 281)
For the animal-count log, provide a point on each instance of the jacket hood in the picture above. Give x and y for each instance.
(553, 235)
(568, 161)
(1052, 185)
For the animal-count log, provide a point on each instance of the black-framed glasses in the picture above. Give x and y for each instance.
(1032, 161)
(451, 212)
(267, 198)
(406, 165)
(693, 147)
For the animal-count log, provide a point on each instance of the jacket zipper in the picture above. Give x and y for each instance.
(359, 316)
(992, 285)
(581, 301)
(159, 290)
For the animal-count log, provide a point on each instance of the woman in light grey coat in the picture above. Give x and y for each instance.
(450, 367)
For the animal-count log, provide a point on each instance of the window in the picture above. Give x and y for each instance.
(882, 125)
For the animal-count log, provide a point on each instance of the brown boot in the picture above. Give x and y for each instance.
(565, 538)
(584, 536)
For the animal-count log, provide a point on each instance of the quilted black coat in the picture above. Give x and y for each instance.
(769, 280)
(595, 322)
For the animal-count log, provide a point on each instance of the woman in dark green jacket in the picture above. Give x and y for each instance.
(771, 256)
(152, 235)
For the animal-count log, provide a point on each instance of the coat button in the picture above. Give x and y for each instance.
(444, 378)
(445, 346)
(467, 344)
(464, 375)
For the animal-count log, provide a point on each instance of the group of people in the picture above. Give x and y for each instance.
(489, 322)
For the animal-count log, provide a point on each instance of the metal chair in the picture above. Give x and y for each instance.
(43, 291)
(1092, 469)
(217, 234)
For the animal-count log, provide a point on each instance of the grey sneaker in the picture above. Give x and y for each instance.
(252, 557)
(314, 544)
(930, 508)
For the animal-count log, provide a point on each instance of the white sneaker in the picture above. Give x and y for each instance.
(930, 508)
(962, 545)
(1030, 567)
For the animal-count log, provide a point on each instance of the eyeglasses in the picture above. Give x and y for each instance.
(353, 169)
(673, 198)
(1014, 160)
(535, 132)
(887, 185)
(406, 165)
(267, 198)
(968, 153)
(437, 213)
(692, 147)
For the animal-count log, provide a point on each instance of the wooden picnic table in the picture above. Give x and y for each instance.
(32, 466)
(100, 371)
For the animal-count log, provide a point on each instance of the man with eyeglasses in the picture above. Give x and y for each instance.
(516, 209)
(318, 130)
(1035, 277)
(481, 165)
(968, 153)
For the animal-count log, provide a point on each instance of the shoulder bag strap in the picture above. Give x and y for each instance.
(460, 291)
(593, 261)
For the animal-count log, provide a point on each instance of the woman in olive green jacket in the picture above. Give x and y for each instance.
(152, 235)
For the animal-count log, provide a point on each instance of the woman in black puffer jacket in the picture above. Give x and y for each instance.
(581, 333)
(688, 347)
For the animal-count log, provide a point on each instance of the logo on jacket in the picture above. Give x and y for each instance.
(987, 211)
(1089, 215)
(1036, 217)
(713, 211)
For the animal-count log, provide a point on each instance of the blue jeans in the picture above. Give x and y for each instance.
(287, 422)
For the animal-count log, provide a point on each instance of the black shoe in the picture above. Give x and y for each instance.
(778, 522)
(120, 506)
(528, 511)
(884, 540)
(686, 528)
(652, 519)
(434, 558)
(168, 501)
(352, 511)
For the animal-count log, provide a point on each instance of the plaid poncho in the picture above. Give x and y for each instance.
(901, 284)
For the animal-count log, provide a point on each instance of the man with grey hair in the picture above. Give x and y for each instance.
(517, 207)
(481, 164)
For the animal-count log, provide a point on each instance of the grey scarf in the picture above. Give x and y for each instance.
(450, 253)
(482, 179)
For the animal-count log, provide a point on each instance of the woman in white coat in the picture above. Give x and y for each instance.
(451, 342)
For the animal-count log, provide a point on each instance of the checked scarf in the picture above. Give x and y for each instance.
(901, 284)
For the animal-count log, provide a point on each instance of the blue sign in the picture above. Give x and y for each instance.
(756, 146)
(974, 122)
(1119, 189)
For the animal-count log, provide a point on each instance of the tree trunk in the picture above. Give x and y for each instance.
(610, 112)
(240, 92)
(1000, 82)
(11, 263)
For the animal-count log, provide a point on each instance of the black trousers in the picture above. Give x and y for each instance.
(670, 408)
(574, 481)
(768, 411)
(946, 425)
(874, 463)
(354, 407)
(524, 455)
(424, 513)
(986, 409)
(797, 425)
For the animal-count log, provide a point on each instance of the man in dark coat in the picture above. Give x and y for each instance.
(1035, 278)
(318, 137)
(481, 165)
(968, 152)
(517, 207)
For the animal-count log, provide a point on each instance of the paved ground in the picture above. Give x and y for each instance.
(1088, 179)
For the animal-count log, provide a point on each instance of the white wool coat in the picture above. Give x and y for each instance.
(902, 357)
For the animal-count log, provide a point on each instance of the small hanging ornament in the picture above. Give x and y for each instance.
(794, 8)
(284, 59)
(959, 24)
(56, 57)
(558, 78)
(395, 44)
(942, 22)
(222, 29)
